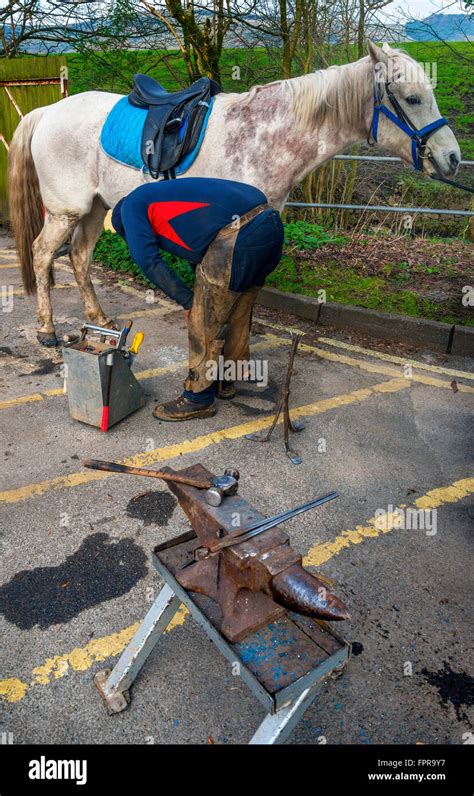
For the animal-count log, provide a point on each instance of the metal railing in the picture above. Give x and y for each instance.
(384, 208)
(387, 158)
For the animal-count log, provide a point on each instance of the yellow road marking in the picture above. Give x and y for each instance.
(396, 359)
(59, 391)
(279, 326)
(372, 353)
(371, 367)
(20, 291)
(22, 399)
(81, 659)
(60, 266)
(147, 458)
(321, 553)
(139, 375)
(133, 291)
(143, 313)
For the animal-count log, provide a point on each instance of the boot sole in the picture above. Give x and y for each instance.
(192, 416)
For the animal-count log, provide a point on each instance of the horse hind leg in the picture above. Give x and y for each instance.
(83, 241)
(55, 231)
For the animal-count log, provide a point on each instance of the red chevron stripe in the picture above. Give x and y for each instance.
(161, 213)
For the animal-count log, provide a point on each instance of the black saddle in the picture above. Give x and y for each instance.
(173, 121)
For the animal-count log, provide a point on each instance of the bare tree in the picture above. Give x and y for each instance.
(43, 25)
(198, 31)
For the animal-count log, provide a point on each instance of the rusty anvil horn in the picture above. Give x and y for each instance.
(296, 589)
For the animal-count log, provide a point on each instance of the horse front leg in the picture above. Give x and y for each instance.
(83, 241)
(55, 231)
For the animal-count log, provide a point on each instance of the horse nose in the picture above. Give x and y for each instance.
(453, 160)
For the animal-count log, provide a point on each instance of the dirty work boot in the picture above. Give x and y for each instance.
(182, 409)
(226, 390)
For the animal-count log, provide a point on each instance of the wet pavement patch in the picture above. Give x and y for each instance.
(100, 570)
(45, 366)
(154, 508)
(454, 687)
(263, 400)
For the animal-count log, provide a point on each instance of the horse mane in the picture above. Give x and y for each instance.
(338, 93)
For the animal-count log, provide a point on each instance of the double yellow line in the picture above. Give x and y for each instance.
(147, 458)
(271, 341)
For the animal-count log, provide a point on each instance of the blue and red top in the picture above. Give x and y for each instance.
(181, 217)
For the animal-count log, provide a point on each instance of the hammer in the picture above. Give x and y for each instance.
(217, 488)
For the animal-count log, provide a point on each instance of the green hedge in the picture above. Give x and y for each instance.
(112, 252)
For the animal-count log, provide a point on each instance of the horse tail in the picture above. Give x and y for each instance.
(26, 206)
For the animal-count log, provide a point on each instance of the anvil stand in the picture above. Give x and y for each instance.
(281, 719)
(284, 659)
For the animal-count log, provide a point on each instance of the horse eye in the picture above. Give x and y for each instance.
(413, 100)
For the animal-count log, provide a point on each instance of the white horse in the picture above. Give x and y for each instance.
(271, 136)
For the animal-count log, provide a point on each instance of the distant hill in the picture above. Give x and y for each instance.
(444, 27)
(447, 27)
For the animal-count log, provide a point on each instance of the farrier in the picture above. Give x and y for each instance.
(233, 239)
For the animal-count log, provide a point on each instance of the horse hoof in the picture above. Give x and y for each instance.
(47, 339)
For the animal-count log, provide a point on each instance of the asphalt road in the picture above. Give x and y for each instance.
(75, 550)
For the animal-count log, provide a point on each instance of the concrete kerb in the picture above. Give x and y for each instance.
(419, 332)
(463, 341)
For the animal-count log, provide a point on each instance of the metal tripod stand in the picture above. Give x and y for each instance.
(283, 406)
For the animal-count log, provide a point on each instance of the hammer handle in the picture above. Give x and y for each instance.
(114, 467)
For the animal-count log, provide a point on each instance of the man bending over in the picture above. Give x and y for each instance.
(233, 240)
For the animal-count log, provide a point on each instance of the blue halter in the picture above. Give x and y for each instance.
(419, 138)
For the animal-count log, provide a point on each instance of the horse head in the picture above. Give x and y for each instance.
(406, 120)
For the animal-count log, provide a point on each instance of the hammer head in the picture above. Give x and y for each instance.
(222, 485)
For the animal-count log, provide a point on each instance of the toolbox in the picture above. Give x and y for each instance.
(100, 384)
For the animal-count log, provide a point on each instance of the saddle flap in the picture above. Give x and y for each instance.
(172, 128)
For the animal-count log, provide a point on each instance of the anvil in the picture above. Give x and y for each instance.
(254, 581)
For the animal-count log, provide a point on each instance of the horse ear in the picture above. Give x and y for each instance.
(378, 55)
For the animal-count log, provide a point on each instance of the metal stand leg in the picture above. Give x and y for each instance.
(277, 727)
(283, 406)
(113, 684)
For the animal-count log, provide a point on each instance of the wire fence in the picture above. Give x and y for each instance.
(384, 208)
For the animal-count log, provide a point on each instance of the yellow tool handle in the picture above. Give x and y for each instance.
(137, 341)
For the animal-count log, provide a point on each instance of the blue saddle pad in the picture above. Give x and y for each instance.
(121, 136)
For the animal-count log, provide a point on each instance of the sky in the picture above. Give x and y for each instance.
(418, 9)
